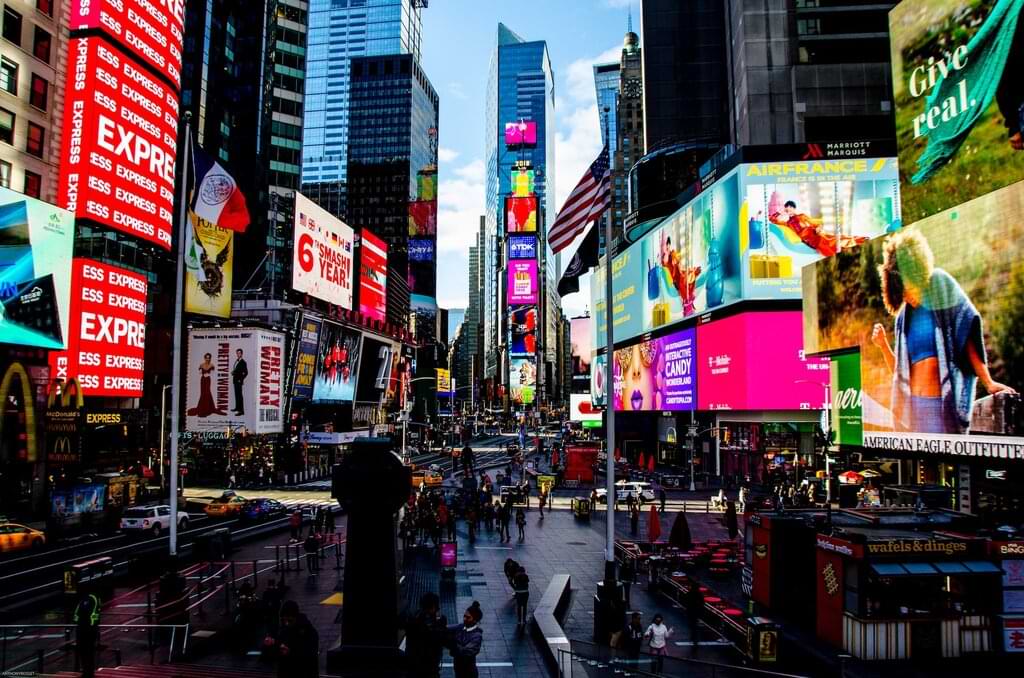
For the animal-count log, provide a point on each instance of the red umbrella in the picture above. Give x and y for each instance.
(641, 462)
(650, 464)
(653, 525)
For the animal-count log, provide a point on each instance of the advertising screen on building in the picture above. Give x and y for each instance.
(424, 308)
(150, 30)
(208, 288)
(305, 357)
(235, 380)
(421, 250)
(580, 408)
(444, 380)
(373, 276)
(522, 323)
(937, 317)
(322, 265)
(36, 241)
(581, 350)
(522, 133)
(421, 277)
(375, 366)
(657, 375)
(522, 247)
(756, 361)
(522, 281)
(423, 218)
(598, 383)
(337, 363)
(107, 339)
(119, 142)
(521, 214)
(522, 183)
(522, 380)
(958, 96)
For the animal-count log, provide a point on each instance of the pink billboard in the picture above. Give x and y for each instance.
(755, 361)
(522, 281)
(522, 133)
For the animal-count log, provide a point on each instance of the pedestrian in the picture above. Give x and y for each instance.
(507, 521)
(521, 592)
(312, 548)
(694, 608)
(471, 521)
(633, 636)
(466, 639)
(501, 515)
(521, 523)
(542, 500)
(450, 525)
(231, 479)
(87, 621)
(295, 523)
(627, 575)
(296, 644)
(657, 635)
(630, 502)
(424, 638)
(489, 516)
(593, 500)
(634, 519)
(329, 525)
(662, 497)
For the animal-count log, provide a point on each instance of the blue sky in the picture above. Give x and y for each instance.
(458, 38)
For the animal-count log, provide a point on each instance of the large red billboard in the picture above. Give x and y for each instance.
(120, 133)
(107, 331)
(373, 276)
(151, 29)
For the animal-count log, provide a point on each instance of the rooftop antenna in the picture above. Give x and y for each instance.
(629, 20)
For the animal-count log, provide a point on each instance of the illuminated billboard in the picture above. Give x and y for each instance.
(107, 339)
(522, 247)
(36, 242)
(521, 214)
(522, 380)
(305, 357)
(936, 315)
(581, 349)
(598, 383)
(522, 183)
(210, 293)
(337, 363)
(522, 323)
(956, 80)
(375, 366)
(657, 375)
(119, 143)
(421, 250)
(373, 276)
(322, 262)
(522, 133)
(756, 361)
(422, 218)
(522, 281)
(580, 408)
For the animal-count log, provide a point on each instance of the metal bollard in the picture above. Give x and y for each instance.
(255, 574)
(39, 661)
(277, 558)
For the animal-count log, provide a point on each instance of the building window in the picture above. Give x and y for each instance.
(8, 76)
(40, 94)
(36, 137)
(33, 184)
(41, 45)
(45, 6)
(5, 174)
(6, 126)
(12, 25)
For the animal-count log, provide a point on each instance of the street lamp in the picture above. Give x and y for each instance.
(693, 434)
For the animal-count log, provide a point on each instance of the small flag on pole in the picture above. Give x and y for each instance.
(216, 197)
(587, 201)
(582, 261)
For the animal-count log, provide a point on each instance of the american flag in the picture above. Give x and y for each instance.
(586, 202)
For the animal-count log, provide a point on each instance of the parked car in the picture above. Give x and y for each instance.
(15, 537)
(259, 510)
(225, 506)
(626, 488)
(151, 519)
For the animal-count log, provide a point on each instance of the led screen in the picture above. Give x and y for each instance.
(523, 328)
(522, 380)
(658, 374)
(521, 215)
(322, 265)
(581, 349)
(522, 183)
(373, 276)
(522, 133)
(522, 281)
(580, 408)
(337, 363)
(305, 357)
(421, 250)
(522, 247)
(422, 218)
(374, 370)
(598, 383)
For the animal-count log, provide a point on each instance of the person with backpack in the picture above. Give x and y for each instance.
(521, 591)
(465, 642)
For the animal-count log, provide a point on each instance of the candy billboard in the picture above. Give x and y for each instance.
(522, 281)
(521, 214)
(522, 380)
(337, 363)
(657, 374)
(935, 312)
(956, 74)
(322, 263)
(373, 276)
(756, 361)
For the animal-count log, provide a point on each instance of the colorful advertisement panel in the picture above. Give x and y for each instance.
(937, 317)
(522, 380)
(521, 214)
(657, 375)
(846, 399)
(581, 350)
(107, 342)
(423, 218)
(756, 361)
(444, 380)
(959, 101)
(120, 143)
(794, 213)
(375, 366)
(522, 281)
(522, 247)
(235, 380)
(305, 357)
(522, 323)
(208, 290)
(522, 133)
(598, 389)
(322, 262)
(421, 250)
(425, 309)
(36, 241)
(337, 363)
(522, 183)
(580, 408)
(373, 276)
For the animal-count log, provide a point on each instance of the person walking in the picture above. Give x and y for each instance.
(521, 592)
(312, 548)
(501, 515)
(295, 523)
(87, 622)
(425, 637)
(329, 525)
(471, 521)
(296, 644)
(542, 500)
(633, 636)
(508, 521)
(465, 642)
(662, 497)
(489, 516)
(634, 519)
(593, 500)
(521, 523)
(657, 635)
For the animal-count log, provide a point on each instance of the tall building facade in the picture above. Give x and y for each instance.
(607, 81)
(520, 88)
(338, 32)
(472, 325)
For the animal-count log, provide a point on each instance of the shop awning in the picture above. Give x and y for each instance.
(919, 568)
(952, 568)
(889, 569)
(982, 567)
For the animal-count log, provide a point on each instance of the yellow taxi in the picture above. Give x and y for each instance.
(426, 479)
(225, 507)
(14, 537)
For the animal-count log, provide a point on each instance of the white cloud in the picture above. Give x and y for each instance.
(446, 154)
(577, 143)
(580, 74)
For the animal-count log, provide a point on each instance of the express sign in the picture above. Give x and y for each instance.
(117, 164)
(107, 342)
(151, 29)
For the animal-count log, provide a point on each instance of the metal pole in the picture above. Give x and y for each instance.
(609, 410)
(828, 431)
(163, 435)
(176, 357)
(693, 452)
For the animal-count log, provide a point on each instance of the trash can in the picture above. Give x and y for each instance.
(213, 545)
(762, 640)
(89, 576)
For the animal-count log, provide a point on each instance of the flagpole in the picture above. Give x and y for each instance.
(176, 354)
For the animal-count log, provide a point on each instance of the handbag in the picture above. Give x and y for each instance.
(653, 287)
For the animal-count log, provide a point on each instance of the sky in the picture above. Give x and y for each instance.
(458, 39)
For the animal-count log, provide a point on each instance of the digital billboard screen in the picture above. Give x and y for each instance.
(374, 370)
(522, 133)
(581, 409)
(598, 383)
(337, 363)
(581, 349)
(522, 380)
(305, 357)
(422, 277)
(422, 218)
(522, 247)
(322, 263)
(937, 318)
(756, 361)
(521, 214)
(421, 250)
(522, 281)
(119, 144)
(958, 98)
(522, 323)
(373, 276)
(107, 339)
(522, 182)
(657, 375)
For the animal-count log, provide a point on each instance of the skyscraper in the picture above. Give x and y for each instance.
(338, 32)
(607, 79)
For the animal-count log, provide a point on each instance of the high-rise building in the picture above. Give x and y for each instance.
(338, 32)
(607, 80)
(520, 88)
(472, 328)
